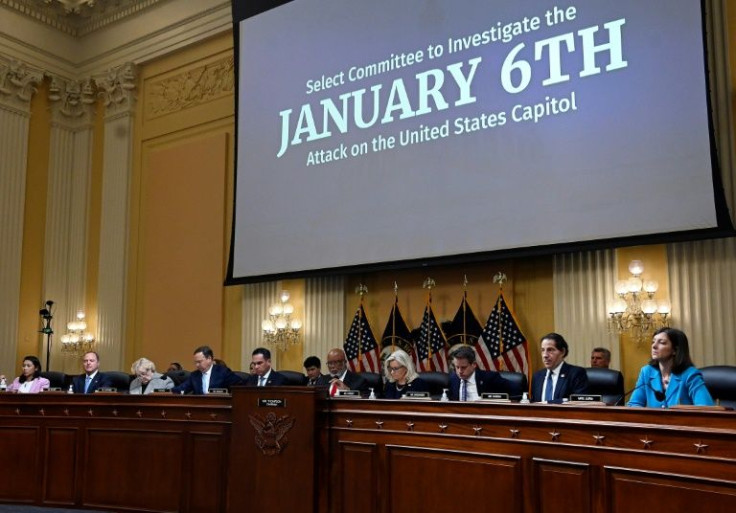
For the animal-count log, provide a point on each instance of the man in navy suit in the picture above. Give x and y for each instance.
(92, 379)
(207, 376)
(264, 375)
(467, 383)
(558, 379)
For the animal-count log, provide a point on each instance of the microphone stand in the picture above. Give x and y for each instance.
(46, 329)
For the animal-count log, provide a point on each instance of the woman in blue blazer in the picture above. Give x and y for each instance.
(670, 378)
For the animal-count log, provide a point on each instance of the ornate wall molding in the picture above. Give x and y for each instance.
(190, 88)
(18, 85)
(117, 90)
(72, 101)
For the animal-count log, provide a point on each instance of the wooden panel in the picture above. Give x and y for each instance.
(647, 492)
(19, 456)
(562, 486)
(133, 468)
(420, 479)
(358, 478)
(207, 479)
(61, 451)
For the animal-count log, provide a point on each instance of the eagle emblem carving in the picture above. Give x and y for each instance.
(271, 432)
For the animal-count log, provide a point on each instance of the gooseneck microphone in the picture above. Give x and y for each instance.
(658, 394)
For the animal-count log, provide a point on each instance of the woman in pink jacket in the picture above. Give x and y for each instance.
(30, 381)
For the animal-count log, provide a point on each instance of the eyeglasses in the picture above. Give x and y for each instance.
(394, 369)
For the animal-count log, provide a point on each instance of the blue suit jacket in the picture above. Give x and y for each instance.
(485, 382)
(101, 380)
(572, 380)
(687, 387)
(221, 377)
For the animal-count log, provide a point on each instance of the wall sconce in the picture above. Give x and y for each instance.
(635, 310)
(76, 340)
(280, 330)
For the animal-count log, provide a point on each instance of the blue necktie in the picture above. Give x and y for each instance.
(204, 383)
(87, 381)
(261, 381)
(548, 390)
(464, 390)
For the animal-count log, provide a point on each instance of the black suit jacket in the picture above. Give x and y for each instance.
(417, 385)
(274, 380)
(101, 380)
(221, 377)
(485, 382)
(322, 381)
(355, 381)
(572, 380)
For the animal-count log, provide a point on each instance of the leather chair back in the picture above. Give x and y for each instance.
(120, 380)
(519, 380)
(293, 378)
(607, 383)
(178, 377)
(57, 379)
(721, 383)
(437, 381)
(375, 381)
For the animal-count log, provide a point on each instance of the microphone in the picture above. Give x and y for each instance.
(658, 395)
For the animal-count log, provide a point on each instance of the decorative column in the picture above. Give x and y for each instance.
(117, 91)
(17, 86)
(324, 323)
(257, 298)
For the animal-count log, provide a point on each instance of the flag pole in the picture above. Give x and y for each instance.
(500, 278)
(393, 317)
(429, 284)
(465, 307)
(361, 290)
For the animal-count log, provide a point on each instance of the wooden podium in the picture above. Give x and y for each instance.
(273, 449)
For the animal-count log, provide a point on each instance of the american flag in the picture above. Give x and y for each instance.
(431, 336)
(502, 345)
(361, 348)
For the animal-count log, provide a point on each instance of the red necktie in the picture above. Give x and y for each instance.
(333, 389)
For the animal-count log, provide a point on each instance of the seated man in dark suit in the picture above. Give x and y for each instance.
(207, 376)
(92, 379)
(264, 375)
(341, 377)
(558, 379)
(313, 368)
(467, 383)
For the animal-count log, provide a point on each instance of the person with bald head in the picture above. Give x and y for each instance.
(341, 378)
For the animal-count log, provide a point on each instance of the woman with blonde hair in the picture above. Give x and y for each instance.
(401, 376)
(147, 380)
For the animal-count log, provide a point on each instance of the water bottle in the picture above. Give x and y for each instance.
(524, 398)
(444, 397)
(3, 385)
(71, 389)
(372, 394)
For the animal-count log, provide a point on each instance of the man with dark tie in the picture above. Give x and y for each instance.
(468, 382)
(264, 375)
(558, 379)
(92, 379)
(208, 375)
(313, 368)
(342, 378)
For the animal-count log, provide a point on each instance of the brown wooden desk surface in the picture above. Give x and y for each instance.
(199, 454)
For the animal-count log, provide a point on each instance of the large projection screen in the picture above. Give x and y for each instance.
(371, 133)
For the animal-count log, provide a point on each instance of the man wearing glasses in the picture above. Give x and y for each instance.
(341, 377)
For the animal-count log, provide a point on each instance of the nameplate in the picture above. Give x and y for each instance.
(349, 394)
(52, 389)
(494, 396)
(585, 398)
(161, 390)
(271, 403)
(107, 390)
(415, 395)
(219, 391)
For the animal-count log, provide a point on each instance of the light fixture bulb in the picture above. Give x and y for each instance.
(649, 306)
(636, 267)
(622, 287)
(664, 307)
(634, 285)
(296, 324)
(285, 296)
(651, 286)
